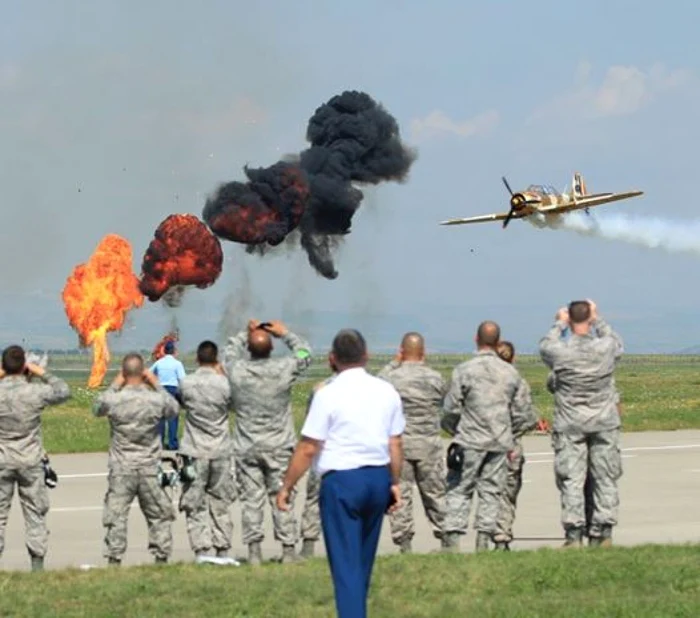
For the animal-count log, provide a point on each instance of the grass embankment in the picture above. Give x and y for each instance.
(635, 582)
(658, 393)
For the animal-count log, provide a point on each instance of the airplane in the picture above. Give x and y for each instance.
(543, 205)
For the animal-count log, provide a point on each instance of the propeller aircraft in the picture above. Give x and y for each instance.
(543, 205)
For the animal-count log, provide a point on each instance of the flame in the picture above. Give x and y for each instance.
(183, 252)
(159, 349)
(97, 297)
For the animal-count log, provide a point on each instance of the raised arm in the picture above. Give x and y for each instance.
(104, 402)
(53, 390)
(388, 368)
(552, 342)
(301, 352)
(604, 331)
(236, 348)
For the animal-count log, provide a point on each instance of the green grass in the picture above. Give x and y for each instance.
(658, 393)
(621, 582)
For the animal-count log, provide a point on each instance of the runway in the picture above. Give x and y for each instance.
(659, 494)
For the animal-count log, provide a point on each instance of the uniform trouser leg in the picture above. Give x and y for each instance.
(121, 490)
(570, 467)
(311, 517)
(34, 500)
(284, 522)
(401, 521)
(250, 480)
(460, 486)
(206, 503)
(7, 490)
(173, 423)
(353, 504)
(605, 470)
(430, 479)
(157, 508)
(509, 496)
(588, 496)
(489, 487)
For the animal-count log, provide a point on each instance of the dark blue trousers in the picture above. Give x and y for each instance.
(172, 444)
(352, 505)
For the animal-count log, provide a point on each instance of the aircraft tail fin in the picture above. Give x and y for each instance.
(578, 185)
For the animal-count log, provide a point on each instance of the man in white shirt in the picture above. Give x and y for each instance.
(353, 432)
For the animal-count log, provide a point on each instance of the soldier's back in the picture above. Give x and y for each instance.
(21, 403)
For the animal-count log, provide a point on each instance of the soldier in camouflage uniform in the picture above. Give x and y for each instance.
(487, 404)
(264, 436)
(422, 392)
(311, 515)
(25, 390)
(134, 404)
(515, 464)
(206, 499)
(586, 426)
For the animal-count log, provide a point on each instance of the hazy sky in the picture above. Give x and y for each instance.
(114, 115)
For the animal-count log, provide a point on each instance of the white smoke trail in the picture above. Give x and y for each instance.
(672, 236)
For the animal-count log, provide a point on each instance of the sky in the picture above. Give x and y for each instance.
(115, 114)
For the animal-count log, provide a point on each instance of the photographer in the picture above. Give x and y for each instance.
(264, 436)
(25, 390)
(135, 404)
(586, 426)
(208, 484)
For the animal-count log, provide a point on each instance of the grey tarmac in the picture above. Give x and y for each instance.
(658, 494)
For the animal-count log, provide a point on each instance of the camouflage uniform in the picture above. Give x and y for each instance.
(21, 451)
(264, 436)
(514, 483)
(311, 515)
(422, 392)
(134, 460)
(206, 500)
(488, 402)
(586, 426)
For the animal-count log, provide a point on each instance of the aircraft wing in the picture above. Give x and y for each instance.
(589, 201)
(480, 219)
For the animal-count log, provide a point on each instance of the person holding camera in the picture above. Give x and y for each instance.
(25, 390)
(422, 390)
(208, 483)
(487, 404)
(264, 436)
(134, 404)
(586, 425)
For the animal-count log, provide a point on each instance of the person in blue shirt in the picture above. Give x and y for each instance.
(169, 371)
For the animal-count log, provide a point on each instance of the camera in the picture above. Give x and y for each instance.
(188, 472)
(168, 477)
(455, 457)
(50, 476)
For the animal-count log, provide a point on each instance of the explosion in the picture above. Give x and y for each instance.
(263, 210)
(159, 349)
(97, 297)
(353, 140)
(183, 253)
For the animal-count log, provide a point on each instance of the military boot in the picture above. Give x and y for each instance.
(255, 554)
(501, 546)
(288, 554)
(114, 562)
(450, 542)
(574, 538)
(161, 560)
(222, 553)
(37, 563)
(307, 548)
(483, 541)
(604, 539)
(405, 546)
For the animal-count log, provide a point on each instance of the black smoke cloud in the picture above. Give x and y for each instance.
(354, 141)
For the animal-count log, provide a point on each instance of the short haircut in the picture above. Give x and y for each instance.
(579, 311)
(506, 350)
(13, 360)
(169, 347)
(132, 365)
(488, 334)
(349, 347)
(207, 353)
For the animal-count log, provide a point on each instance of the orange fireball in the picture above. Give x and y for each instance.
(97, 297)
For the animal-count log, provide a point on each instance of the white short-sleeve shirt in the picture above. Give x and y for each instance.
(354, 416)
